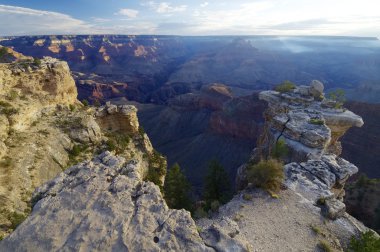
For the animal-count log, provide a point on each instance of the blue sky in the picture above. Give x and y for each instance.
(197, 17)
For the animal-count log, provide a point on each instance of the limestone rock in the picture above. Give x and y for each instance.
(316, 88)
(118, 118)
(103, 205)
(88, 132)
(219, 234)
(333, 209)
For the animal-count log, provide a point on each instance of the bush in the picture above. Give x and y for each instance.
(280, 150)
(6, 162)
(217, 184)
(4, 55)
(316, 121)
(325, 246)
(36, 61)
(267, 174)
(9, 111)
(157, 168)
(12, 95)
(338, 96)
(16, 219)
(117, 141)
(85, 102)
(284, 87)
(177, 189)
(72, 107)
(367, 242)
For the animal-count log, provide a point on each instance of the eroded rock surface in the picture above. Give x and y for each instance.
(104, 205)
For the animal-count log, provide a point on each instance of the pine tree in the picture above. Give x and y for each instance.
(177, 189)
(217, 184)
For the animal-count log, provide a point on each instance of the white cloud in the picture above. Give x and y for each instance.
(205, 4)
(24, 21)
(128, 12)
(165, 7)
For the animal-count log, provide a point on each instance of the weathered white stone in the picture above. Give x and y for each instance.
(103, 205)
(316, 88)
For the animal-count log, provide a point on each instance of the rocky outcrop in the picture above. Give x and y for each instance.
(104, 205)
(118, 118)
(310, 126)
(44, 129)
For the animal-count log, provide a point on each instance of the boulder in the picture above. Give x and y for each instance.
(333, 209)
(316, 88)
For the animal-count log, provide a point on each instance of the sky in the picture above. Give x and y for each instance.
(196, 17)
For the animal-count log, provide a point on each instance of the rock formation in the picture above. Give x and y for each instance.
(44, 129)
(104, 205)
(310, 126)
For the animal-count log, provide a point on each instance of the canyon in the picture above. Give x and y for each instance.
(91, 189)
(167, 77)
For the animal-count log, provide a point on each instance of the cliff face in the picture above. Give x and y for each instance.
(310, 126)
(44, 130)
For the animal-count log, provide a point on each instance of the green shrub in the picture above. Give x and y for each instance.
(6, 162)
(4, 54)
(12, 95)
(85, 102)
(36, 61)
(214, 206)
(72, 107)
(117, 141)
(325, 246)
(338, 96)
(284, 87)
(141, 130)
(316, 121)
(200, 213)
(316, 229)
(217, 184)
(97, 103)
(367, 242)
(157, 168)
(16, 219)
(177, 189)
(280, 150)
(9, 111)
(267, 174)
(77, 150)
(247, 197)
(5, 104)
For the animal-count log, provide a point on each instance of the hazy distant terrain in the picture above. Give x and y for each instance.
(170, 75)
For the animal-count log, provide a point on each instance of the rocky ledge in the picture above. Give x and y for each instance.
(104, 205)
(310, 126)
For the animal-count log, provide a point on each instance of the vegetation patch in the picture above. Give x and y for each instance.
(285, 87)
(366, 242)
(325, 246)
(157, 168)
(316, 121)
(267, 174)
(117, 141)
(6, 162)
(338, 96)
(217, 185)
(16, 219)
(177, 189)
(280, 150)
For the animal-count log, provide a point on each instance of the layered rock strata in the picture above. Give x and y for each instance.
(44, 129)
(310, 126)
